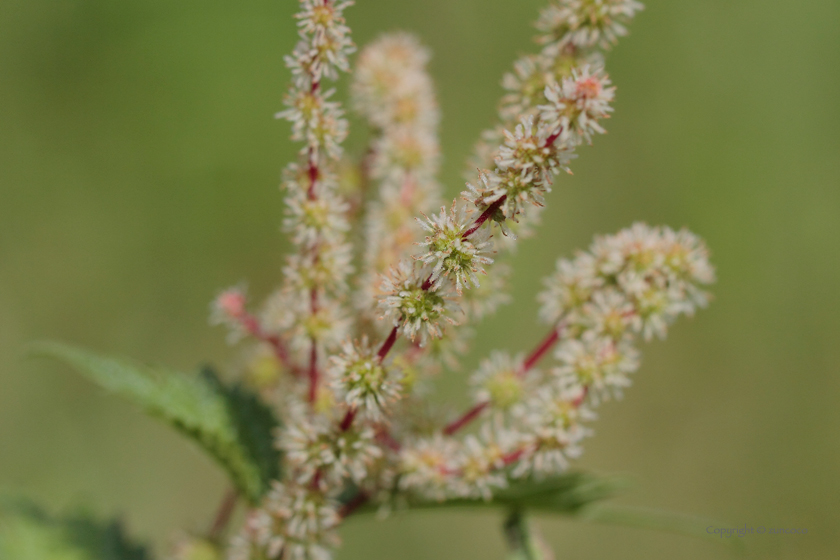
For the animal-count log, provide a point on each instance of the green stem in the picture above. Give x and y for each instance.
(521, 541)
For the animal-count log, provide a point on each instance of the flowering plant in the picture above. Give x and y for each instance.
(332, 417)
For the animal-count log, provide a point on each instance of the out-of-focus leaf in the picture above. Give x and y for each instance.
(27, 533)
(579, 496)
(230, 423)
(567, 494)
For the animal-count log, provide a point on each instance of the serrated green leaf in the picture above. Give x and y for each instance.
(27, 533)
(230, 423)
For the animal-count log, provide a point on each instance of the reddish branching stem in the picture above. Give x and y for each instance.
(428, 283)
(313, 352)
(384, 437)
(313, 371)
(513, 456)
(551, 139)
(466, 418)
(347, 421)
(252, 326)
(540, 351)
(486, 215)
(388, 344)
(532, 359)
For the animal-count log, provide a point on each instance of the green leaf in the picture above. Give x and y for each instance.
(27, 533)
(567, 494)
(230, 423)
(578, 496)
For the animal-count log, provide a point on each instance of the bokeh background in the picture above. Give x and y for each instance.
(139, 164)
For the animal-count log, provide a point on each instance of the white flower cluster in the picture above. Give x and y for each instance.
(556, 111)
(452, 255)
(363, 382)
(308, 308)
(416, 305)
(351, 387)
(294, 523)
(394, 93)
(305, 320)
(584, 24)
(578, 103)
(564, 80)
(630, 284)
(637, 281)
(321, 453)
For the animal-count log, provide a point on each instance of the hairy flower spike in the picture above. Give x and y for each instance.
(391, 87)
(525, 166)
(312, 221)
(325, 42)
(602, 365)
(315, 121)
(427, 466)
(394, 93)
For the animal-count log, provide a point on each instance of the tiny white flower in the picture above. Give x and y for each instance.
(501, 382)
(427, 466)
(317, 448)
(578, 103)
(552, 421)
(601, 365)
(415, 304)
(568, 288)
(452, 255)
(363, 381)
(586, 23)
(292, 523)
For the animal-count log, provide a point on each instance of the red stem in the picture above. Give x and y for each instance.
(529, 363)
(540, 351)
(385, 437)
(468, 417)
(388, 344)
(252, 326)
(313, 371)
(484, 217)
(513, 456)
(348, 419)
(550, 140)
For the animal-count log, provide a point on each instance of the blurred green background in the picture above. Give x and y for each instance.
(139, 164)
